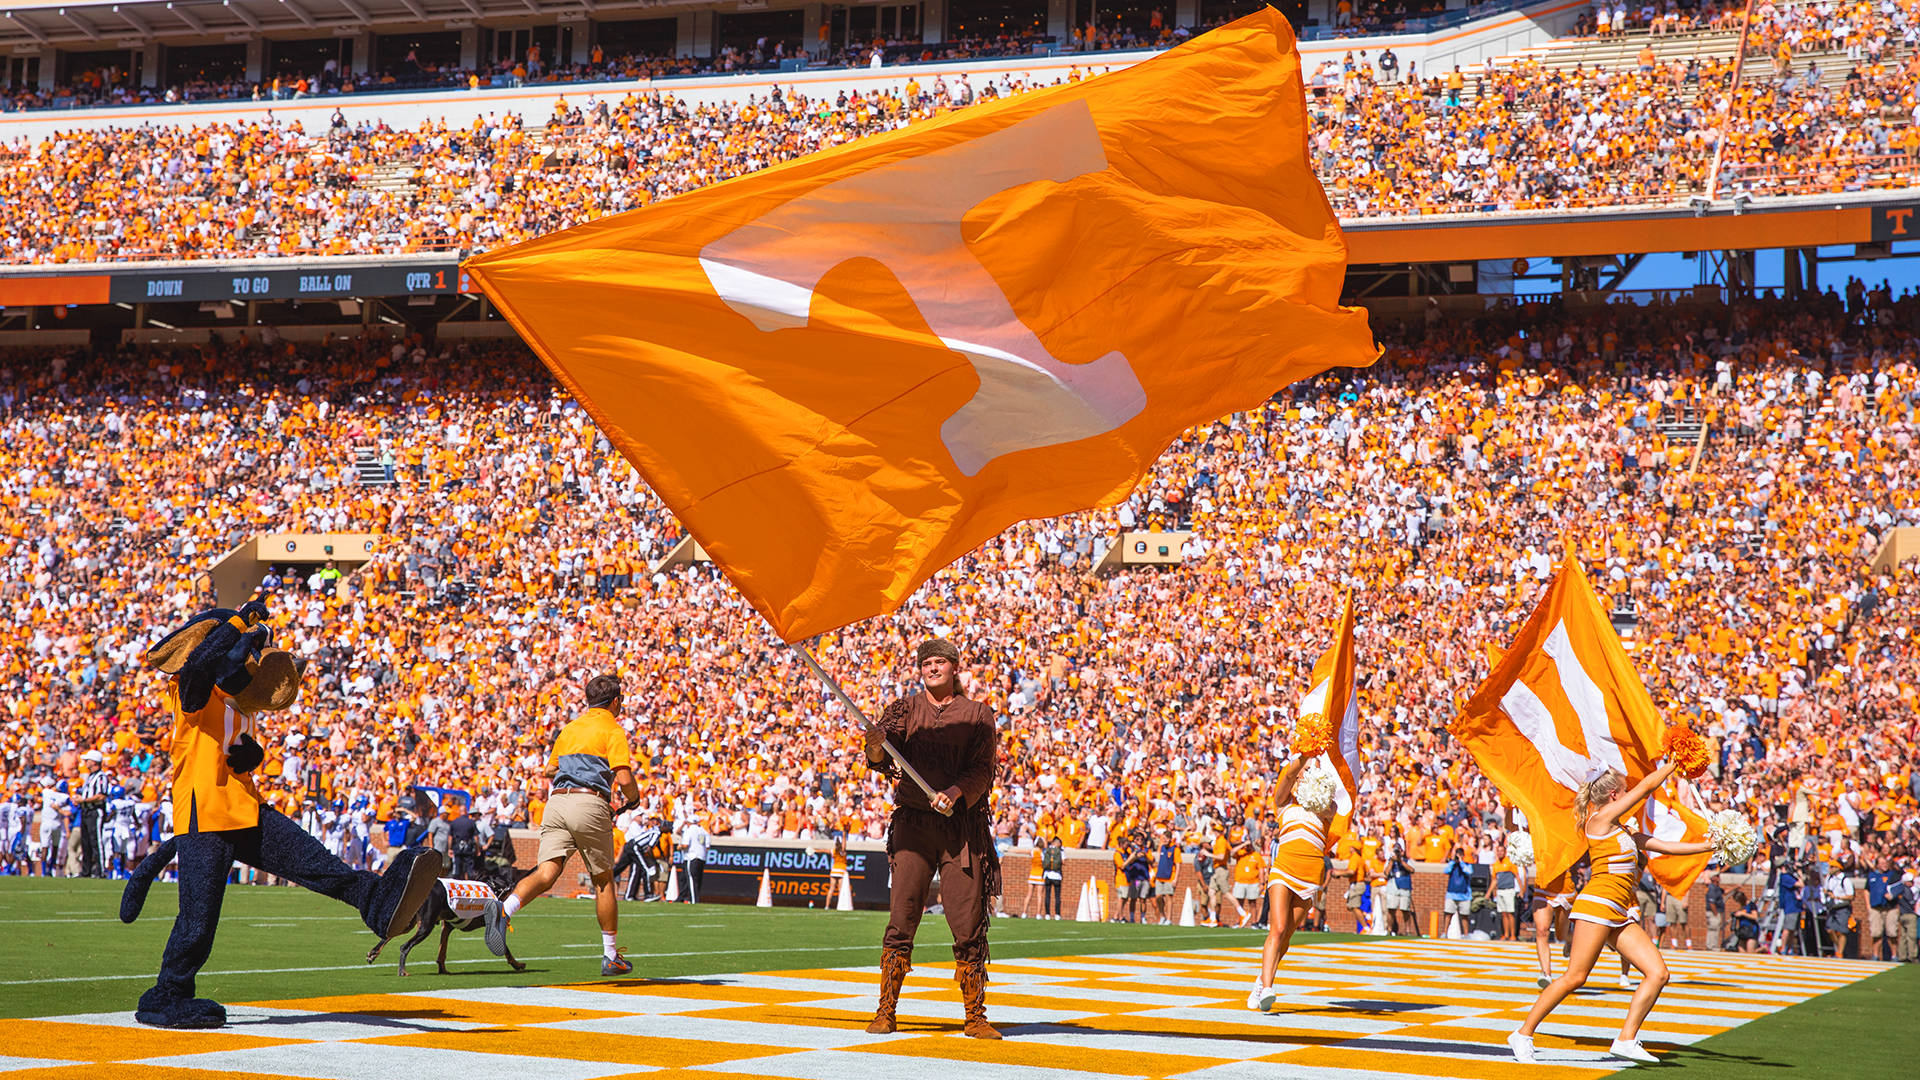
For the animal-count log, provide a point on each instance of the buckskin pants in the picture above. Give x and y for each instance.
(919, 843)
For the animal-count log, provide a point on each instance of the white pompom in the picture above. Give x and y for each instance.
(1520, 849)
(1732, 837)
(1314, 791)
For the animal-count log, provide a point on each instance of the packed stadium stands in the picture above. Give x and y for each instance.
(1442, 484)
(1634, 119)
(1828, 100)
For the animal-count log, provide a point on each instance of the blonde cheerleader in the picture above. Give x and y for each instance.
(1604, 912)
(837, 880)
(1297, 866)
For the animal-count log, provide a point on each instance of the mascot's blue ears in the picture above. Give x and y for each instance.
(229, 649)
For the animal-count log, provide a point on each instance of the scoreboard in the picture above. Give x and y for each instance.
(187, 281)
(298, 281)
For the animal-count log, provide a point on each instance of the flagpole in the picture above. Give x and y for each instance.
(912, 773)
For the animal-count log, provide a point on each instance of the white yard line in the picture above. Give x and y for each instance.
(863, 947)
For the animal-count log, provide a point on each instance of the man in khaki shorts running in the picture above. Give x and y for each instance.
(591, 757)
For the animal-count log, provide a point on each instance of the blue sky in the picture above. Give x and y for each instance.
(1673, 271)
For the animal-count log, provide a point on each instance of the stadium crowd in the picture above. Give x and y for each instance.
(100, 86)
(1442, 483)
(226, 190)
(1388, 140)
(1530, 137)
(1829, 99)
(1661, 18)
(106, 86)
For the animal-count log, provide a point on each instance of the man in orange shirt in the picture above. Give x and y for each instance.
(1218, 878)
(1249, 876)
(1503, 888)
(591, 757)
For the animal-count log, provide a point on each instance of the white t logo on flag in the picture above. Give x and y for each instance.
(907, 216)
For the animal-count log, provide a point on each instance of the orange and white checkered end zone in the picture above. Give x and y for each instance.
(1347, 1010)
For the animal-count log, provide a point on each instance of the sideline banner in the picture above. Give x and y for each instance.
(799, 876)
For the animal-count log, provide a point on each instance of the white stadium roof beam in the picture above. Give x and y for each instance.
(86, 27)
(240, 12)
(299, 13)
(127, 16)
(33, 31)
(180, 12)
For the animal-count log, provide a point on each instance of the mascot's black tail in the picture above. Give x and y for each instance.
(135, 896)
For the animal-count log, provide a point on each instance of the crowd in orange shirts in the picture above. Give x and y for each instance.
(516, 552)
(223, 190)
(1529, 138)
(1508, 136)
(1522, 136)
(1828, 99)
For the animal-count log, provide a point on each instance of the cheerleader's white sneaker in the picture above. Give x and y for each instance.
(1625, 982)
(1261, 998)
(1522, 1046)
(1631, 1050)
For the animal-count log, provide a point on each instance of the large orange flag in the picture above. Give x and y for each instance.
(845, 372)
(1332, 694)
(1563, 700)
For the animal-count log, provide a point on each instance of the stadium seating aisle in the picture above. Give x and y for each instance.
(1443, 482)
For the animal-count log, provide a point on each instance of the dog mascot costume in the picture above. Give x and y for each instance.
(225, 674)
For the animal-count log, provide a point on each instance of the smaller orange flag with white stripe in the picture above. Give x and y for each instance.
(1333, 699)
(1563, 701)
(1666, 816)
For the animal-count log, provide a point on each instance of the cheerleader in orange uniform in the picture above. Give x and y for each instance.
(1297, 867)
(837, 876)
(1604, 912)
(1036, 878)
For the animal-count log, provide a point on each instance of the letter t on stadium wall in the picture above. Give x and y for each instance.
(913, 774)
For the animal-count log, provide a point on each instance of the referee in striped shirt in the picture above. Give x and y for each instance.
(93, 805)
(638, 855)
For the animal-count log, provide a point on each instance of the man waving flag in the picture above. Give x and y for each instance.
(1562, 698)
(1333, 698)
(845, 372)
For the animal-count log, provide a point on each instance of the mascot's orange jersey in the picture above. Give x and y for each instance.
(208, 796)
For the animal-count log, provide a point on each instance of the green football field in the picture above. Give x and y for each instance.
(65, 952)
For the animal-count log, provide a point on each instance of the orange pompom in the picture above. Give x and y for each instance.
(1687, 750)
(1312, 735)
